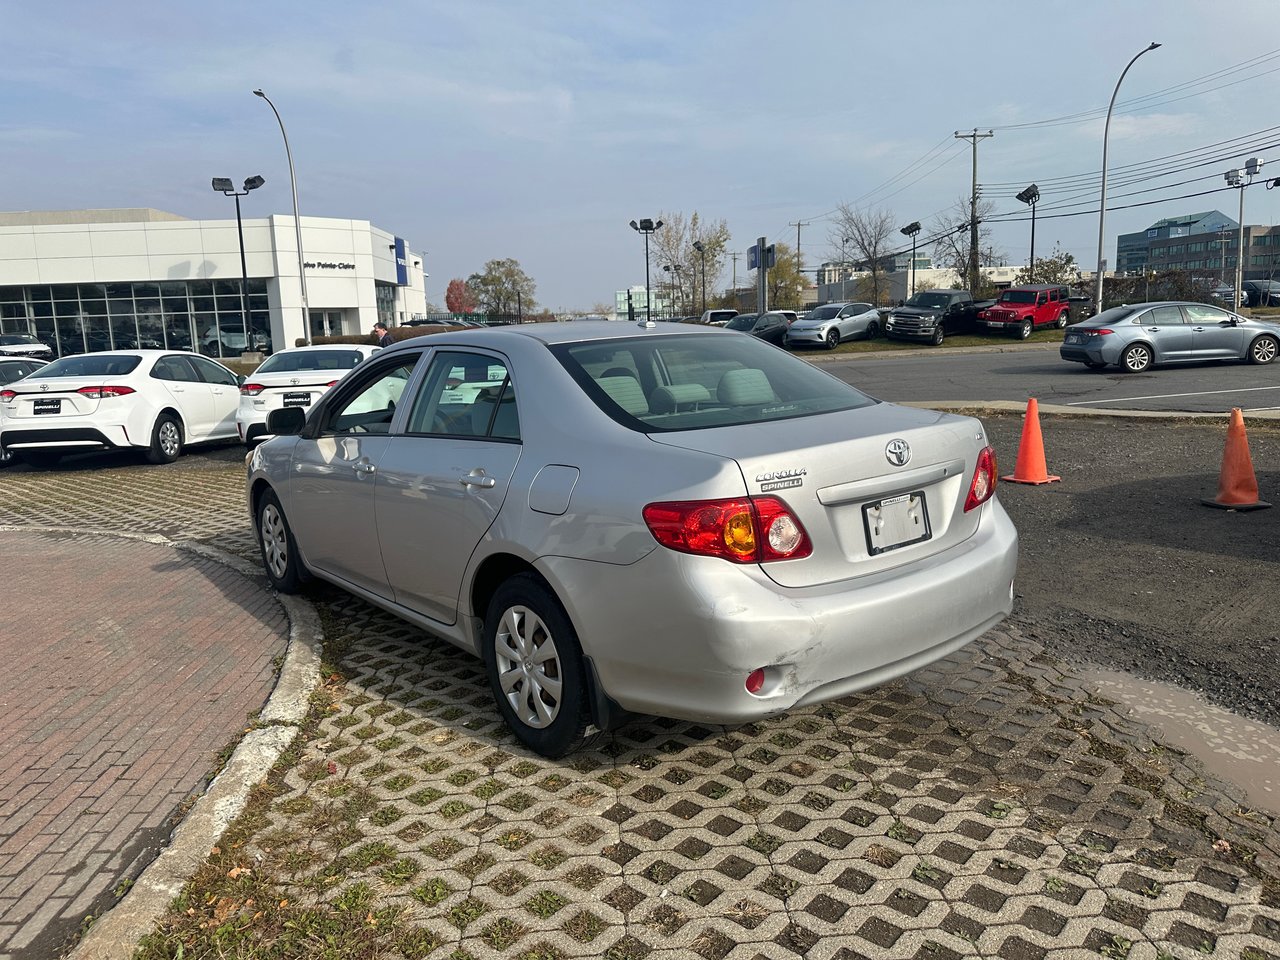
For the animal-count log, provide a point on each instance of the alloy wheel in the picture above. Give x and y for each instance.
(170, 438)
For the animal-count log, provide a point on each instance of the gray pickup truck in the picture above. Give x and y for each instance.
(931, 314)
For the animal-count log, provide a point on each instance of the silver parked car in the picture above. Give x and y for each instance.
(639, 518)
(1138, 335)
(828, 326)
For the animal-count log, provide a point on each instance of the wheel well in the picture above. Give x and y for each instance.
(259, 487)
(171, 411)
(491, 575)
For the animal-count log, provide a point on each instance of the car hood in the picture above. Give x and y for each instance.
(827, 482)
(917, 311)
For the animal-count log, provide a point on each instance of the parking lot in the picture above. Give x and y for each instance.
(992, 805)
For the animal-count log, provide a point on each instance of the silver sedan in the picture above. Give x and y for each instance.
(1137, 336)
(639, 518)
(834, 323)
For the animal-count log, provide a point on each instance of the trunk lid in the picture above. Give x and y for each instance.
(863, 513)
(55, 397)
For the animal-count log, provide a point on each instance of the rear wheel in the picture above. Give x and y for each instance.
(938, 336)
(1024, 331)
(1262, 350)
(535, 668)
(1136, 358)
(279, 549)
(41, 459)
(166, 440)
(833, 338)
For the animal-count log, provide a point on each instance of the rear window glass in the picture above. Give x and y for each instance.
(664, 384)
(311, 360)
(1114, 315)
(91, 365)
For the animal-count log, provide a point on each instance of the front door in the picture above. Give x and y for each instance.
(224, 396)
(335, 470)
(443, 480)
(1216, 334)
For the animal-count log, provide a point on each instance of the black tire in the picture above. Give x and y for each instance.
(1263, 350)
(1094, 364)
(166, 439)
(1136, 358)
(524, 621)
(939, 335)
(40, 459)
(873, 330)
(279, 550)
(1061, 323)
(1023, 332)
(833, 338)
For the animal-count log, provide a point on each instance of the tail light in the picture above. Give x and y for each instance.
(7, 395)
(251, 389)
(1095, 332)
(747, 530)
(105, 391)
(332, 383)
(983, 485)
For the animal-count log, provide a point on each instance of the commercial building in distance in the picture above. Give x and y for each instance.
(84, 280)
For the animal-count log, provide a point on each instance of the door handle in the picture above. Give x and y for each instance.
(478, 480)
(364, 468)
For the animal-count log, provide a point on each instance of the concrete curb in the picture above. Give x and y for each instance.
(116, 935)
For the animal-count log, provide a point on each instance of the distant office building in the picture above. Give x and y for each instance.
(84, 280)
(661, 305)
(1171, 240)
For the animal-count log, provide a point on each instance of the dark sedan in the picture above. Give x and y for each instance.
(770, 327)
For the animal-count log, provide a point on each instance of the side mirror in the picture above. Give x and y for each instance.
(240, 379)
(286, 422)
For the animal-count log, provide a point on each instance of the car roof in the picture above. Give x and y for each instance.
(553, 333)
(328, 346)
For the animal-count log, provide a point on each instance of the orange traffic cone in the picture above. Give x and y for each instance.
(1237, 486)
(1030, 467)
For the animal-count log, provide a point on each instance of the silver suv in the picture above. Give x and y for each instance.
(829, 325)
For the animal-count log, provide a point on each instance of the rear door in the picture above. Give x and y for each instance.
(443, 479)
(1168, 332)
(188, 392)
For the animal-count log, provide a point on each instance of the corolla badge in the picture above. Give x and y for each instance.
(781, 479)
(897, 452)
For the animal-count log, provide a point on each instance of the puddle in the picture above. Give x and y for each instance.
(1243, 751)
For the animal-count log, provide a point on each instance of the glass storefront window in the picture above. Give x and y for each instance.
(119, 291)
(97, 308)
(124, 333)
(70, 336)
(65, 291)
(93, 291)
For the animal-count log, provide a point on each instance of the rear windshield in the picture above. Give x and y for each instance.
(90, 365)
(311, 360)
(1018, 296)
(1114, 315)
(663, 384)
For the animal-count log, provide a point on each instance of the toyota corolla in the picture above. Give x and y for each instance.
(639, 518)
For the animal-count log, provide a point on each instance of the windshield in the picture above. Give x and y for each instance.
(311, 360)
(743, 321)
(90, 365)
(823, 313)
(1018, 296)
(930, 300)
(18, 339)
(664, 384)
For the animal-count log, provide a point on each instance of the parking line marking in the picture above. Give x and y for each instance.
(1170, 396)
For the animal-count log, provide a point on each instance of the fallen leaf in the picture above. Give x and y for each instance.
(333, 767)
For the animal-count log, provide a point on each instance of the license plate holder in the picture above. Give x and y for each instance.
(1073, 338)
(297, 399)
(44, 405)
(995, 323)
(896, 522)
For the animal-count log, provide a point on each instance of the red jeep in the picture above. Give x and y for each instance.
(1023, 309)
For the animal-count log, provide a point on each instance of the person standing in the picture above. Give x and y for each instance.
(383, 334)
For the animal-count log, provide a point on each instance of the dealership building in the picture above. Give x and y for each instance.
(84, 280)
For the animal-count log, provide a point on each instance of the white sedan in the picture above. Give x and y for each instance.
(157, 401)
(296, 377)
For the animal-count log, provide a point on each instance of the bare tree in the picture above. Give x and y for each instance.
(951, 248)
(673, 246)
(870, 234)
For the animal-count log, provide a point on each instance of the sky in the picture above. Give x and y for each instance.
(485, 129)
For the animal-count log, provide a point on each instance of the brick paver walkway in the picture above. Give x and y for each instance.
(127, 667)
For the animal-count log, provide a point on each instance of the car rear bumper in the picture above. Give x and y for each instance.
(1082, 353)
(676, 635)
(68, 438)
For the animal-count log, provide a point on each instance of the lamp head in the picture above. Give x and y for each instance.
(1153, 46)
(1030, 195)
(635, 226)
(697, 245)
(223, 185)
(253, 183)
(911, 229)
(657, 224)
(1234, 177)
(1253, 165)
(259, 93)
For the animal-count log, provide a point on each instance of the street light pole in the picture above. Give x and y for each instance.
(910, 230)
(224, 186)
(1102, 204)
(297, 222)
(702, 255)
(646, 227)
(1031, 195)
(1241, 179)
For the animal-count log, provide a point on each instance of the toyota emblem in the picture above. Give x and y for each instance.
(294, 381)
(898, 452)
(44, 386)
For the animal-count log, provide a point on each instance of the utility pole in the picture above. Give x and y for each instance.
(735, 255)
(973, 207)
(799, 263)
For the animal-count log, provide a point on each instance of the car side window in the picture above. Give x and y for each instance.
(210, 372)
(1203, 313)
(1163, 316)
(373, 405)
(175, 368)
(466, 394)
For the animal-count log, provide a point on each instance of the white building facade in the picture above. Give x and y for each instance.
(121, 279)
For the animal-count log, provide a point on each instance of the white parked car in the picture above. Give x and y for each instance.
(153, 400)
(296, 377)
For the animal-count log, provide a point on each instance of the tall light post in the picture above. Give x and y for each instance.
(844, 267)
(702, 255)
(1241, 179)
(648, 228)
(1102, 205)
(297, 221)
(910, 230)
(224, 186)
(1031, 195)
